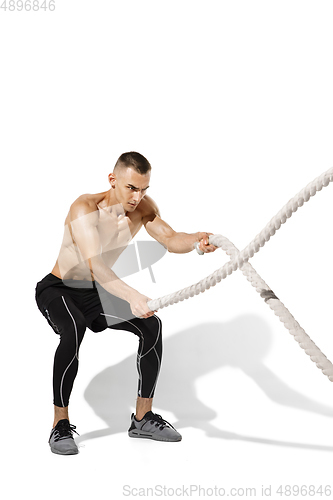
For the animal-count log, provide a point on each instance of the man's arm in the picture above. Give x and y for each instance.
(174, 241)
(84, 220)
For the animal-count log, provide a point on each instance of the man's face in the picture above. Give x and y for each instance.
(130, 187)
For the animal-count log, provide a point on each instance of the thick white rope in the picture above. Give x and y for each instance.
(239, 260)
(281, 311)
(253, 247)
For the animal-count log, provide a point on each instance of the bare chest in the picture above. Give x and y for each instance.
(117, 230)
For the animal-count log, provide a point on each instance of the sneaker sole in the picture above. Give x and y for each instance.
(149, 435)
(68, 452)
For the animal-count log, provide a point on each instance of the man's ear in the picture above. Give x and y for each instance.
(112, 179)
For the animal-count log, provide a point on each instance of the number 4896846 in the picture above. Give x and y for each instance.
(34, 5)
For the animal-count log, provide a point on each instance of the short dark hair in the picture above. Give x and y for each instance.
(134, 160)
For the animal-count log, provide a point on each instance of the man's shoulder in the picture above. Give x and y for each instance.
(148, 207)
(83, 205)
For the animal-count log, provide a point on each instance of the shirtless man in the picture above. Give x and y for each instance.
(82, 291)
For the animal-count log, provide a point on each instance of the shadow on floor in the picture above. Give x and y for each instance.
(187, 356)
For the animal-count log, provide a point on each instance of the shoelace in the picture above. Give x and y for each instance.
(159, 421)
(64, 431)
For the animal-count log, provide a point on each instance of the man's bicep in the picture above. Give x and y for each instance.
(85, 235)
(158, 229)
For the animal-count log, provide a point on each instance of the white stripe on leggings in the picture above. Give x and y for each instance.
(141, 334)
(76, 351)
(139, 356)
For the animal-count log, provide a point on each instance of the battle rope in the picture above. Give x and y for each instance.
(281, 311)
(239, 260)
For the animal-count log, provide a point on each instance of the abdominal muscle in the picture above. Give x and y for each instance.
(67, 266)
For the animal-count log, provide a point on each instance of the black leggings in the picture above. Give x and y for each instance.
(70, 322)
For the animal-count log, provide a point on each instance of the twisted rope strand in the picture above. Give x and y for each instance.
(253, 247)
(281, 311)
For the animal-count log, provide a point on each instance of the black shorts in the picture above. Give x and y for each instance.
(71, 306)
(89, 296)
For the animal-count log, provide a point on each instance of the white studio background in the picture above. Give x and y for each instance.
(232, 104)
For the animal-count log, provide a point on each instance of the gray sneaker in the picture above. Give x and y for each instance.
(61, 439)
(153, 426)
